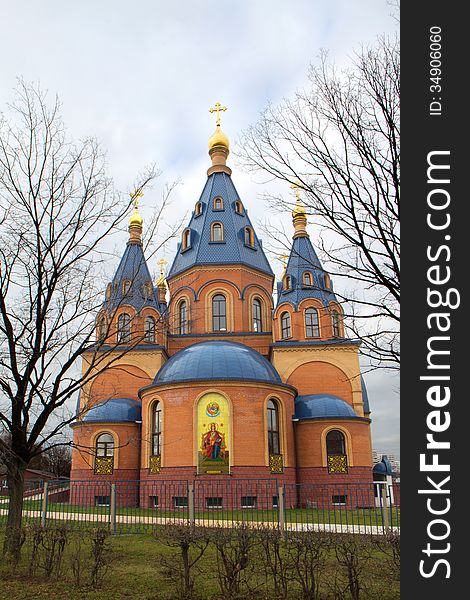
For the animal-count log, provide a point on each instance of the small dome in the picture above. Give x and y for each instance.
(218, 138)
(217, 360)
(322, 406)
(136, 219)
(299, 211)
(384, 467)
(123, 410)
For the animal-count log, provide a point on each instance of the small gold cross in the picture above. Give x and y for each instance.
(297, 187)
(136, 194)
(218, 108)
(284, 258)
(161, 263)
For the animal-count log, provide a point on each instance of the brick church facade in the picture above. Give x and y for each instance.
(217, 381)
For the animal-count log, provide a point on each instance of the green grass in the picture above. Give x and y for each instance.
(141, 568)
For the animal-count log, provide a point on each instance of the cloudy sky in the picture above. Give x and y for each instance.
(140, 77)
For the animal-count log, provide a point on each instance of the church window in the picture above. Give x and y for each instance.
(219, 313)
(123, 328)
(307, 279)
(249, 237)
(218, 204)
(257, 319)
(238, 207)
(287, 282)
(285, 326)
(186, 243)
(109, 289)
(126, 286)
(101, 329)
(336, 452)
(157, 429)
(183, 318)
(312, 328)
(150, 329)
(105, 445)
(198, 209)
(148, 290)
(217, 232)
(335, 323)
(273, 428)
(327, 280)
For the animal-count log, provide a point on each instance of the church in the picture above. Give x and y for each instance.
(209, 377)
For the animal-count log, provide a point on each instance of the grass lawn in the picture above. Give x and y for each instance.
(144, 568)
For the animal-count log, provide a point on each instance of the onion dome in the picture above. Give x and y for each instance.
(323, 406)
(384, 467)
(218, 138)
(216, 361)
(116, 410)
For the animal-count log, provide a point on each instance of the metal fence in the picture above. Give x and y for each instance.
(141, 506)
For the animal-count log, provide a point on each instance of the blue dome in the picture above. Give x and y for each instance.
(217, 360)
(322, 406)
(122, 410)
(384, 467)
(365, 396)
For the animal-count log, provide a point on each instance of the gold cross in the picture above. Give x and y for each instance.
(136, 194)
(218, 108)
(297, 187)
(161, 263)
(284, 258)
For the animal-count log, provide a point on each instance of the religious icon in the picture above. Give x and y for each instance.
(212, 442)
(213, 435)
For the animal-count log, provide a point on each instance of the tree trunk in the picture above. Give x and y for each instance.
(12, 544)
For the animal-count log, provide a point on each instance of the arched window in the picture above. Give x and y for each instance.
(150, 329)
(249, 237)
(327, 280)
(273, 428)
(287, 282)
(104, 446)
(312, 328)
(148, 290)
(198, 209)
(183, 318)
(336, 452)
(126, 286)
(123, 328)
(219, 313)
(307, 279)
(217, 232)
(218, 204)
(157, 429)
(186, 239)
(238, 207)
(257, 315)
(285, 325)
(335, 323)
(109, 290)
(101, 329)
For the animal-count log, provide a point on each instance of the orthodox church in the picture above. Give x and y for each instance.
(209, 378)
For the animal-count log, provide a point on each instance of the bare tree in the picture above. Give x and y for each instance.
(57, 209)
(339, 140)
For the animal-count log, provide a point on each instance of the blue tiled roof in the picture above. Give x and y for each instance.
(133, 267)
(322, 406)
(303, 258)
(217, 360)
(384, 467)
(365, 396)
(233, 249)
(122, 410)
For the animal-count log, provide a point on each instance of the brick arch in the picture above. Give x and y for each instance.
(317, 377)
(122, 381)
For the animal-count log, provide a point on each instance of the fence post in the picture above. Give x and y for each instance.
(112, 509)
(281, 509)
(385, 515)
(191, 504)
(45, 497)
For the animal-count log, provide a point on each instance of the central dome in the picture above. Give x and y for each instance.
(217, 360)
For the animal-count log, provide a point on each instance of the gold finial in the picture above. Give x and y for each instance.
(299, 211)
(136, 219)
(217, 108)
(284, 258)
(297, 187)
(161, 280)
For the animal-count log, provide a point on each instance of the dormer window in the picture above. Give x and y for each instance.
(217, 232)
(126, 286)
(307, 279)
(198, 210)
(238, 207)
(218, 203)
(249, 237)
(186, 240)
(327, 281)
(287, 282)
(148, 290)
(109, 289)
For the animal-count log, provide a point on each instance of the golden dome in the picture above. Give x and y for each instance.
(299, 211)
(218, 138)
(136, 219)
